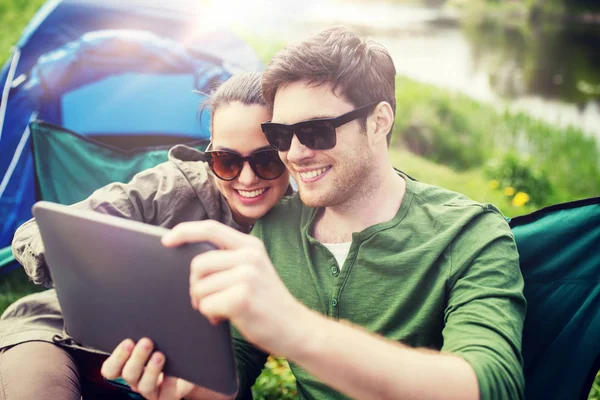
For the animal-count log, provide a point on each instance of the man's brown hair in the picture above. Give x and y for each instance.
(360, 69)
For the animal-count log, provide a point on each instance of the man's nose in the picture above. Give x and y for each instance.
(247, 176)
(298, 151)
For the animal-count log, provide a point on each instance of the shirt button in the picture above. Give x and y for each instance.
(335, 270)
(334, 302)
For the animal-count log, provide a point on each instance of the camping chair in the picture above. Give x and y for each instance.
(70, 167)
(559, 249)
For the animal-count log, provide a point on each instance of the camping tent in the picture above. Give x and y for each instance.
(120, 72)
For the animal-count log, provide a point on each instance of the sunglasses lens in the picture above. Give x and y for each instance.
(278, 137)
(267, 165)
(224, 165)
(317, 135)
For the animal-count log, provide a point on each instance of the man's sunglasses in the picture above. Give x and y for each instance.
(316, 134)
(227, 165)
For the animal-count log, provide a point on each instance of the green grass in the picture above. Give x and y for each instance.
(455, 130)
(471, 183)
(13, 287)
(14, 15)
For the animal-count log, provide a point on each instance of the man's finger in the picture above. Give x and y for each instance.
(218, 282)
(212, 262)
(222, 236)
(226, 304)
(113, 365)
(148, 385)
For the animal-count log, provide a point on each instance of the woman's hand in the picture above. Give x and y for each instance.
(141, 367)
(239, 283)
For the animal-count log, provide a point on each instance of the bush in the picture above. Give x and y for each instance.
(429, 124)
(454, 130)
(276, 382)
(522, 179)
(444, 137)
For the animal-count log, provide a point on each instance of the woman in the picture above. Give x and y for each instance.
(242, 180)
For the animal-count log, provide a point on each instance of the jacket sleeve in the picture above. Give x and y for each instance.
(150, 197)
(486, 307)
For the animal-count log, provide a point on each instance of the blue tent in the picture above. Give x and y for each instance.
(107, 69)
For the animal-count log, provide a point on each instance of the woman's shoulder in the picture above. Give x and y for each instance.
(289, 203)
(188, 162)
(289, 210)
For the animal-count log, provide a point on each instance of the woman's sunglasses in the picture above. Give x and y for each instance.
(316, 134)
(227, 165)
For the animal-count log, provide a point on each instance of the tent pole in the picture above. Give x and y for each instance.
(17, 155)
(16, 55)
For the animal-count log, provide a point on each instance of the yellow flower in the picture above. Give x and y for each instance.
(494, 184)
(509, 191)
(520, 199)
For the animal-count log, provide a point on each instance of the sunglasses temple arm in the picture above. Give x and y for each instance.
(203, 157)
(352, 115)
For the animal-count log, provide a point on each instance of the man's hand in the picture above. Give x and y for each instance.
(142, 368)
(238, 282)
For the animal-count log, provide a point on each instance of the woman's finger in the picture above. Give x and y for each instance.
(220, 235)
(134, 367)
(113, 365)
(168, 389)
(148, 385)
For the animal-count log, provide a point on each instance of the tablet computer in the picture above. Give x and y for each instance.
(115, 280)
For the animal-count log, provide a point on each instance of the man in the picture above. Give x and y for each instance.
(371, 284)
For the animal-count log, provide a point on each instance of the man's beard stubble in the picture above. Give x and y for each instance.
(349, 187)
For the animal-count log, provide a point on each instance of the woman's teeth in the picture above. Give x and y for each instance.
(250, 194)
(312, 174)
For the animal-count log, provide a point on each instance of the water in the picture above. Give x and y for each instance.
(553, 74)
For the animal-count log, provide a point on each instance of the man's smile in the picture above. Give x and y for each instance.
(313, 174)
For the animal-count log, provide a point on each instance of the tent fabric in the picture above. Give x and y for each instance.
(79, 86)
(6, 257)
(146, 96)
(72, 57)
(113, 82)
(61, 21)
(70, 167)
(17, 186)
(560, 260)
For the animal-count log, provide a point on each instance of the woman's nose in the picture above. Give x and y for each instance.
(247, 176)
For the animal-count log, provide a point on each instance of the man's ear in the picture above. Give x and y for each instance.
(380, 122)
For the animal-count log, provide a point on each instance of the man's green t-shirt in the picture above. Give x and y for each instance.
(442, 274)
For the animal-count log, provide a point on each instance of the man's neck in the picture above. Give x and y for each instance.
(377, 203)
